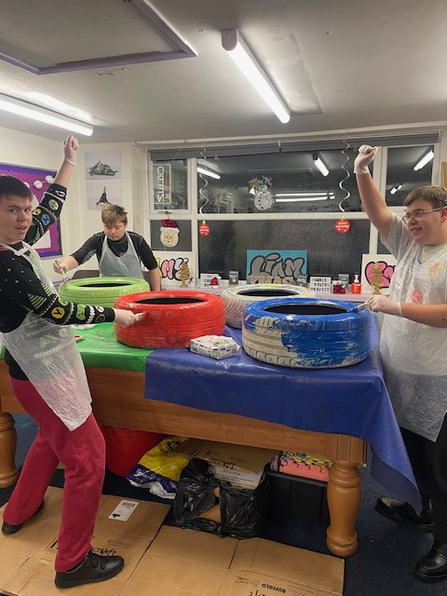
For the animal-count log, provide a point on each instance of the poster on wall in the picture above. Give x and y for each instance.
(50, 245)
(103, 165)
(276, 266)
(102, 192)
(175, 267)
(387, 264)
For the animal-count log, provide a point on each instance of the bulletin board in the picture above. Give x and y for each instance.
(50, 245)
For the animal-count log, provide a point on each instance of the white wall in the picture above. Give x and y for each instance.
(27, 150)
(77, 222)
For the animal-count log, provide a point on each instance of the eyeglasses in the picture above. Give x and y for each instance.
(418, 214)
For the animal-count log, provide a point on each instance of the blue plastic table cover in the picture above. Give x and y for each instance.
(351, 401)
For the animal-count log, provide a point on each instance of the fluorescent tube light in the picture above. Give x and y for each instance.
(304, 194)
(242, 56)
(208, 173)
(299, 199)
(395, 189)
(320, 165)
(424, 161)
(29, 110)
(56, 105)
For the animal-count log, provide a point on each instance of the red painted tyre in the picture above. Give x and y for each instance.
(172, 318)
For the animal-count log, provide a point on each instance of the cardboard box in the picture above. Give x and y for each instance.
(27, 558)
(187, 563)
(237, 478)
(250, 459)
(214, 346)
(176, 563)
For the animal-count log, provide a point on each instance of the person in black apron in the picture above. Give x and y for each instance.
(48, 378)
(119, 252)
(413, 346)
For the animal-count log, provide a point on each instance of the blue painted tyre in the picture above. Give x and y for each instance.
(306, 332)
(237, 298)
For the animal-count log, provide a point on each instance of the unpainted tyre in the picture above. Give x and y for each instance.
(172, 318)
(238, 297)
(306, 333)
(100, 291)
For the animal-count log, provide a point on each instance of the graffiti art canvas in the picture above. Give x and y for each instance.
(275, 266)
(173, 266)
(386, 262)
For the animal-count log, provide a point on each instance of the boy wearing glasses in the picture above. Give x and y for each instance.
(413, 347)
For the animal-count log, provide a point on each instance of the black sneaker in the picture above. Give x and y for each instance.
(12, 529)
(400, 512)
(94, 568)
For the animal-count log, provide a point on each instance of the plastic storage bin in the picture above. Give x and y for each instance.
(124, 447)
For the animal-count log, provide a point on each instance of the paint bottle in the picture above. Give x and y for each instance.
(356, 286)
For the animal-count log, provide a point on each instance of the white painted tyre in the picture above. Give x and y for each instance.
(238, 297)
(306, 333)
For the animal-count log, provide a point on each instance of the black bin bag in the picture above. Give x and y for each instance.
(242, 511)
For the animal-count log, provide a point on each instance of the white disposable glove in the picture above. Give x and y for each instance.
(126, 318)
(364, 158)
(380, 303)
(60, 267)
(71, 145)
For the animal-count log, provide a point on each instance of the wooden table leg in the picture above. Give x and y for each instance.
(343, 494)
(8, 441)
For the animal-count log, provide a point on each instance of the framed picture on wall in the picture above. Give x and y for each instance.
(276, 266)
(175, 267)
(370, 262)
(38, 181)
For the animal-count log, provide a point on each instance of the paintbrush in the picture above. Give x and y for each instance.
(360, 307)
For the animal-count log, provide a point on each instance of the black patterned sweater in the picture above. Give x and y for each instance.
(21, 290)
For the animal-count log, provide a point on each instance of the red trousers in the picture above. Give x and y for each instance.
(82, 452)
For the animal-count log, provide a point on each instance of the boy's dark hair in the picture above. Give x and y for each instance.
(10, 186)
(435, 195)
(112, 213)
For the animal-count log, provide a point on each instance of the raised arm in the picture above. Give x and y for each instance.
(49, 209)
(65, 172)
(372, 201)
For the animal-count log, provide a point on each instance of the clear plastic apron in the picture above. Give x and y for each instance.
(127, 265)
(48, 355)
(415, 355)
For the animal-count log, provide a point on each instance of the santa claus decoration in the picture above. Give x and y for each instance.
(169, 233)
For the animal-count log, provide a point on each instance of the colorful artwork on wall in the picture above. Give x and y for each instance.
(38, 180)
(172, 266)
(276, 266)
(387, 264)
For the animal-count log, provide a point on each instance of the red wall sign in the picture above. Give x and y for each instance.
(342, 225)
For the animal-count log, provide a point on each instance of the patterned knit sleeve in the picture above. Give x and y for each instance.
(47, 212)
(27, 293)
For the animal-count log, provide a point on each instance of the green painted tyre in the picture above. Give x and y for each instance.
(100, 291)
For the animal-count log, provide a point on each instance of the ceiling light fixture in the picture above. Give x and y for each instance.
(208, 173)
(242, 56)
(305, 194)
(299, 199)
(29, 110)
(320, 165)
(424, 161)
(395, 189)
